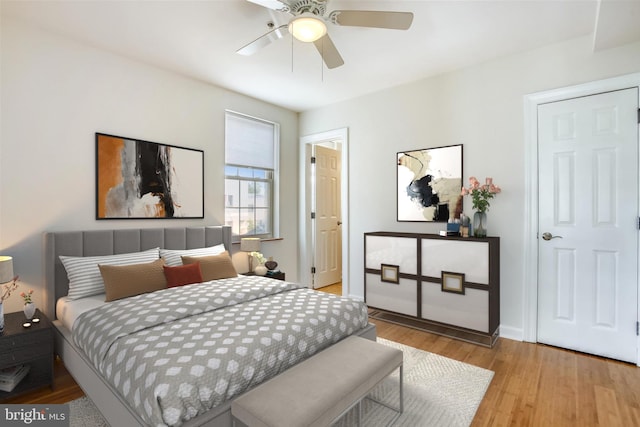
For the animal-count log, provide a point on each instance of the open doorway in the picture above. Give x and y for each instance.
(326, 215)
(324, 210)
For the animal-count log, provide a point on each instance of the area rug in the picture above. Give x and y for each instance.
(438, 391)
(83, 413)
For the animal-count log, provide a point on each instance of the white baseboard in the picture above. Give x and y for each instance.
(511, 333)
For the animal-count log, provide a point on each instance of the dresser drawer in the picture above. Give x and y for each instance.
(20, 348)
(399, 298)
(470, 310)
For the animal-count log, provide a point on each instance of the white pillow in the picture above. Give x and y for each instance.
(173, 257)
(84, 275)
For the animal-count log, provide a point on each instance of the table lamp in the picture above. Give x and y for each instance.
(6, 269)
(250, 244)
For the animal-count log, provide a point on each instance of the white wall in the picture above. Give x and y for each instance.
(57, 93)
(480, 107)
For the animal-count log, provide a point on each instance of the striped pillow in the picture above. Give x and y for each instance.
(84, 275)
(173, 257)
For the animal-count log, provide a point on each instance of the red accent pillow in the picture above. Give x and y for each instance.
(183, 275)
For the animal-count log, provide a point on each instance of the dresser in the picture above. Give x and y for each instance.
(445, 285)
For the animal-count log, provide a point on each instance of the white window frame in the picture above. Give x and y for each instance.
(275, 190)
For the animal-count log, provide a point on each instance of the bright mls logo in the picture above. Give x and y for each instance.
(34, 415)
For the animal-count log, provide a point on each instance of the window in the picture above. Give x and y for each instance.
(251, 175)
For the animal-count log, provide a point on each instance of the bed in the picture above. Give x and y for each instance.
(98, 382)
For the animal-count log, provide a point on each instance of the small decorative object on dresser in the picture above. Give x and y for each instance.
(465, 225)
(480, 224)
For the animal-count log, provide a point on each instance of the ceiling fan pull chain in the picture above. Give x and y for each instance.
(291, 54)
(322, 63)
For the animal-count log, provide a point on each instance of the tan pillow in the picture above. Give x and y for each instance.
(121, 281)
(213, 267)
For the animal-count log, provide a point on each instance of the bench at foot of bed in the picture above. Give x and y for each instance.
(321, 389)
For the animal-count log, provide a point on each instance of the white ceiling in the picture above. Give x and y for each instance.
(199, 39)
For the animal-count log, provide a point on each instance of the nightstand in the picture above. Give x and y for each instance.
(32, 346)
(275, 274)
(271, 274)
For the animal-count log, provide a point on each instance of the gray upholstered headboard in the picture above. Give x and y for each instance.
(109, 242)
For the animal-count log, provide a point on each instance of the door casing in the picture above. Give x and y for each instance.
(531, 102)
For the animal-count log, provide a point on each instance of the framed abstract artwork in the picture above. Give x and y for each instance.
(429, 183)
(138, 179)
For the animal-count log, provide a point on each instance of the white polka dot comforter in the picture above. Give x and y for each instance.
(176, 353)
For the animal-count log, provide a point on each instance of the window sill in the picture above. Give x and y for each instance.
(268, 239)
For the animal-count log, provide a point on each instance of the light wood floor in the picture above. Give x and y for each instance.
(336, 289)
(534, 385)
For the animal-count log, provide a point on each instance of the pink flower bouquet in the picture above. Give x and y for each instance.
(481, 194)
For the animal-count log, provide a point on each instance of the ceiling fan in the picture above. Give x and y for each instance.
(309, 20)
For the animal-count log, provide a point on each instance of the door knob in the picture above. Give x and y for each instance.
(549, 236)
(339, 222)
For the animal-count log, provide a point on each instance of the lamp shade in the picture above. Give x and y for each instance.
(307, 27)
(6, 269)
(250, 244)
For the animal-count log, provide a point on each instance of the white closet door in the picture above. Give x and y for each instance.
(588, 190)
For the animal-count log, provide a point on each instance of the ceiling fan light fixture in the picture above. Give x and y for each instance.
(307, 27)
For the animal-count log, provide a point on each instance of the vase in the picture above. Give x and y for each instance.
(260, 270)
(1, 318)
(480, 224)
(29, 310)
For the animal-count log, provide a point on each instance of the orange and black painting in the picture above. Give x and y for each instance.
(142, 179)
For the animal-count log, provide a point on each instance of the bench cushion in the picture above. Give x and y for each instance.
(316, 391)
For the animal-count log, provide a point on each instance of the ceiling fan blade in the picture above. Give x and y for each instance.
(371, 18)
(262, 41)
(280, 5)
(328, 51)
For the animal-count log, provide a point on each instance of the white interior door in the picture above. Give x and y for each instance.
(327, 231)
(588, 224)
